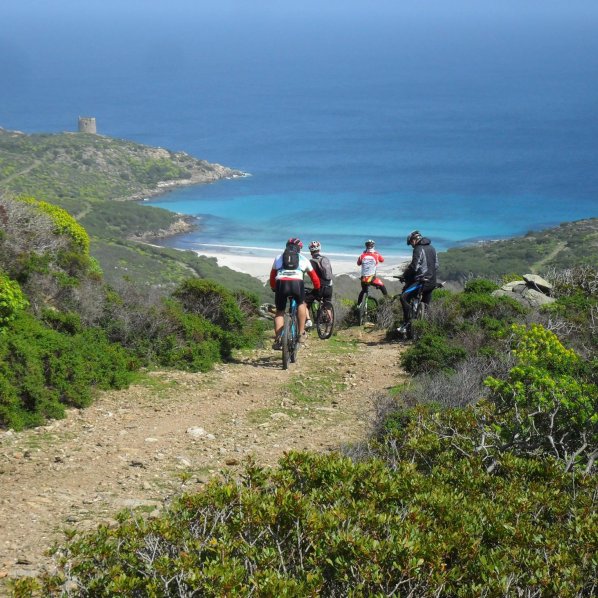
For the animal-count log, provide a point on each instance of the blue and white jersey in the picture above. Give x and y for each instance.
(281, 274)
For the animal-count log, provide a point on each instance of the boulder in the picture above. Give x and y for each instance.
(536, 298)
(537, 282)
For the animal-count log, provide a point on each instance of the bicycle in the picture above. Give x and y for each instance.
(367, 308)
(289, 337)
(322, 314)
(416, 305)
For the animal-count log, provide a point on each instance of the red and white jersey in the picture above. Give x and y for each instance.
(369, 261)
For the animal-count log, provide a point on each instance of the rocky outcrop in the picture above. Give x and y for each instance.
(531, 291)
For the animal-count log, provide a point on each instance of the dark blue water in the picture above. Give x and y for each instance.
(353, 123)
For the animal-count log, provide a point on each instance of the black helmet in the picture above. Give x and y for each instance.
(370, 244)
(413, 237)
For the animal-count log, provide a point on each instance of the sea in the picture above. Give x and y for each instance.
(469, 121)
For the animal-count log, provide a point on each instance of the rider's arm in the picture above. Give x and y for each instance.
(380, 258)
(359, 260)
(273, 274)
(314, 278)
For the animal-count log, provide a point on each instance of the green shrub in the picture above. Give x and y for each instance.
(480, 286)
(431, 352)
(321, 525)
(12, 300)
(43, 370)
(64, 223)
(548, 403)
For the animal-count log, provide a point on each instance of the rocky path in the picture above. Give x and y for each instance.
(172, 431)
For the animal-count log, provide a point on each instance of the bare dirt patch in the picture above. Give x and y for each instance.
(173, 431)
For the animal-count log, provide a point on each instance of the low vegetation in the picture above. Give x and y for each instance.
(64, 332)
(479, 478)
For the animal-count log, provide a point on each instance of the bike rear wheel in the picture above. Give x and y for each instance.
(325, 321)
(285, 339)
(293, 338)
(367, 310)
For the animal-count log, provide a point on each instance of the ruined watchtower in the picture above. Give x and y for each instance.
(87, 124)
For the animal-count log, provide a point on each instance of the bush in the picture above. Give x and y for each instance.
(480, 286)
(325, 526)
(430, 353)
(12, 300)
(42, 371)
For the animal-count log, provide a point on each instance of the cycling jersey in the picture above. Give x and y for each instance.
(279, 273)
(369, 261)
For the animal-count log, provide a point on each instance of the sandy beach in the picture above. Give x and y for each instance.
(259, 265)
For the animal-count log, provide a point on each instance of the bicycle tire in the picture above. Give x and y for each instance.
(293, 338)
(325, 321)
(286, 333)
(367, 311)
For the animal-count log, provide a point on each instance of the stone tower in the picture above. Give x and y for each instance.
(87, 124)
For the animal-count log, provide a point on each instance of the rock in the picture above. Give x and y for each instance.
(231, 461)
(537, 282)
(536, 298)
(196, 432)
(514, 287)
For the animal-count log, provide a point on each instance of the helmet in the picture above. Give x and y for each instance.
(315, 247)
(295, 241)
(370, 244)
(413, 237)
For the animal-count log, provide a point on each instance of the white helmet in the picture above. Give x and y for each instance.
(315, 247)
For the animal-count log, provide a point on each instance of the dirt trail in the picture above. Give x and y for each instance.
(139, 447)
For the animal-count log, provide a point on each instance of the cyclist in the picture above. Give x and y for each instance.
(422, 268)
(286, 280)
(323, 269)
(369, 261)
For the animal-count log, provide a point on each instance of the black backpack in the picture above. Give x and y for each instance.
(290, 258)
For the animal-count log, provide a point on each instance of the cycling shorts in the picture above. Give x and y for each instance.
(371, 280)
(288, 288)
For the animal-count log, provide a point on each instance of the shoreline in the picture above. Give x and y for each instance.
(259, 266)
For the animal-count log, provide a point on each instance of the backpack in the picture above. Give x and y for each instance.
(323, 268)
(290, 258)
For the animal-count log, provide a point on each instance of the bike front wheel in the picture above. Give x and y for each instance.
(325, 321)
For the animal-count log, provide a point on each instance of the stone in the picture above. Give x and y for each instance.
(196, 432)
(536, 298)
(537, 282)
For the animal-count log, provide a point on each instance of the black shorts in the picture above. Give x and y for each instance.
(288, 288)
(325, 293)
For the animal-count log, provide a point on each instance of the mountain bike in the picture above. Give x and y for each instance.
(367, 308)
(289, 337)
(416, 305)
(322, 314)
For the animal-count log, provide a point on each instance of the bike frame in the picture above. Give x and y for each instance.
(290, 334)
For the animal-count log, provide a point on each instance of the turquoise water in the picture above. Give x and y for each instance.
(469, 121)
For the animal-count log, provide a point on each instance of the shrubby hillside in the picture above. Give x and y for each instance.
(566, 246)
(91, 176)
(478, 479)
(65, 332)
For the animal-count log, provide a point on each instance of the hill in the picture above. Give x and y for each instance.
(97, 179)
(565, 246)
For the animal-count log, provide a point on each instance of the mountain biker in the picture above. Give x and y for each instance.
(369, 261)
(286, 280)
(422, 268)
(321, 265)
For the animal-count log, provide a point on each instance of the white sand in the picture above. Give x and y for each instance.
(259, 266)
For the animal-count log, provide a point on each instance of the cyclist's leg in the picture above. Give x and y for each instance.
(299, 294)
(379, 284)
(327, 300)
(427, 292)
(280, 300)
(406, 298)
(364, 287)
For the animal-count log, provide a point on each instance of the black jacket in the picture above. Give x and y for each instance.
(424, 263)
